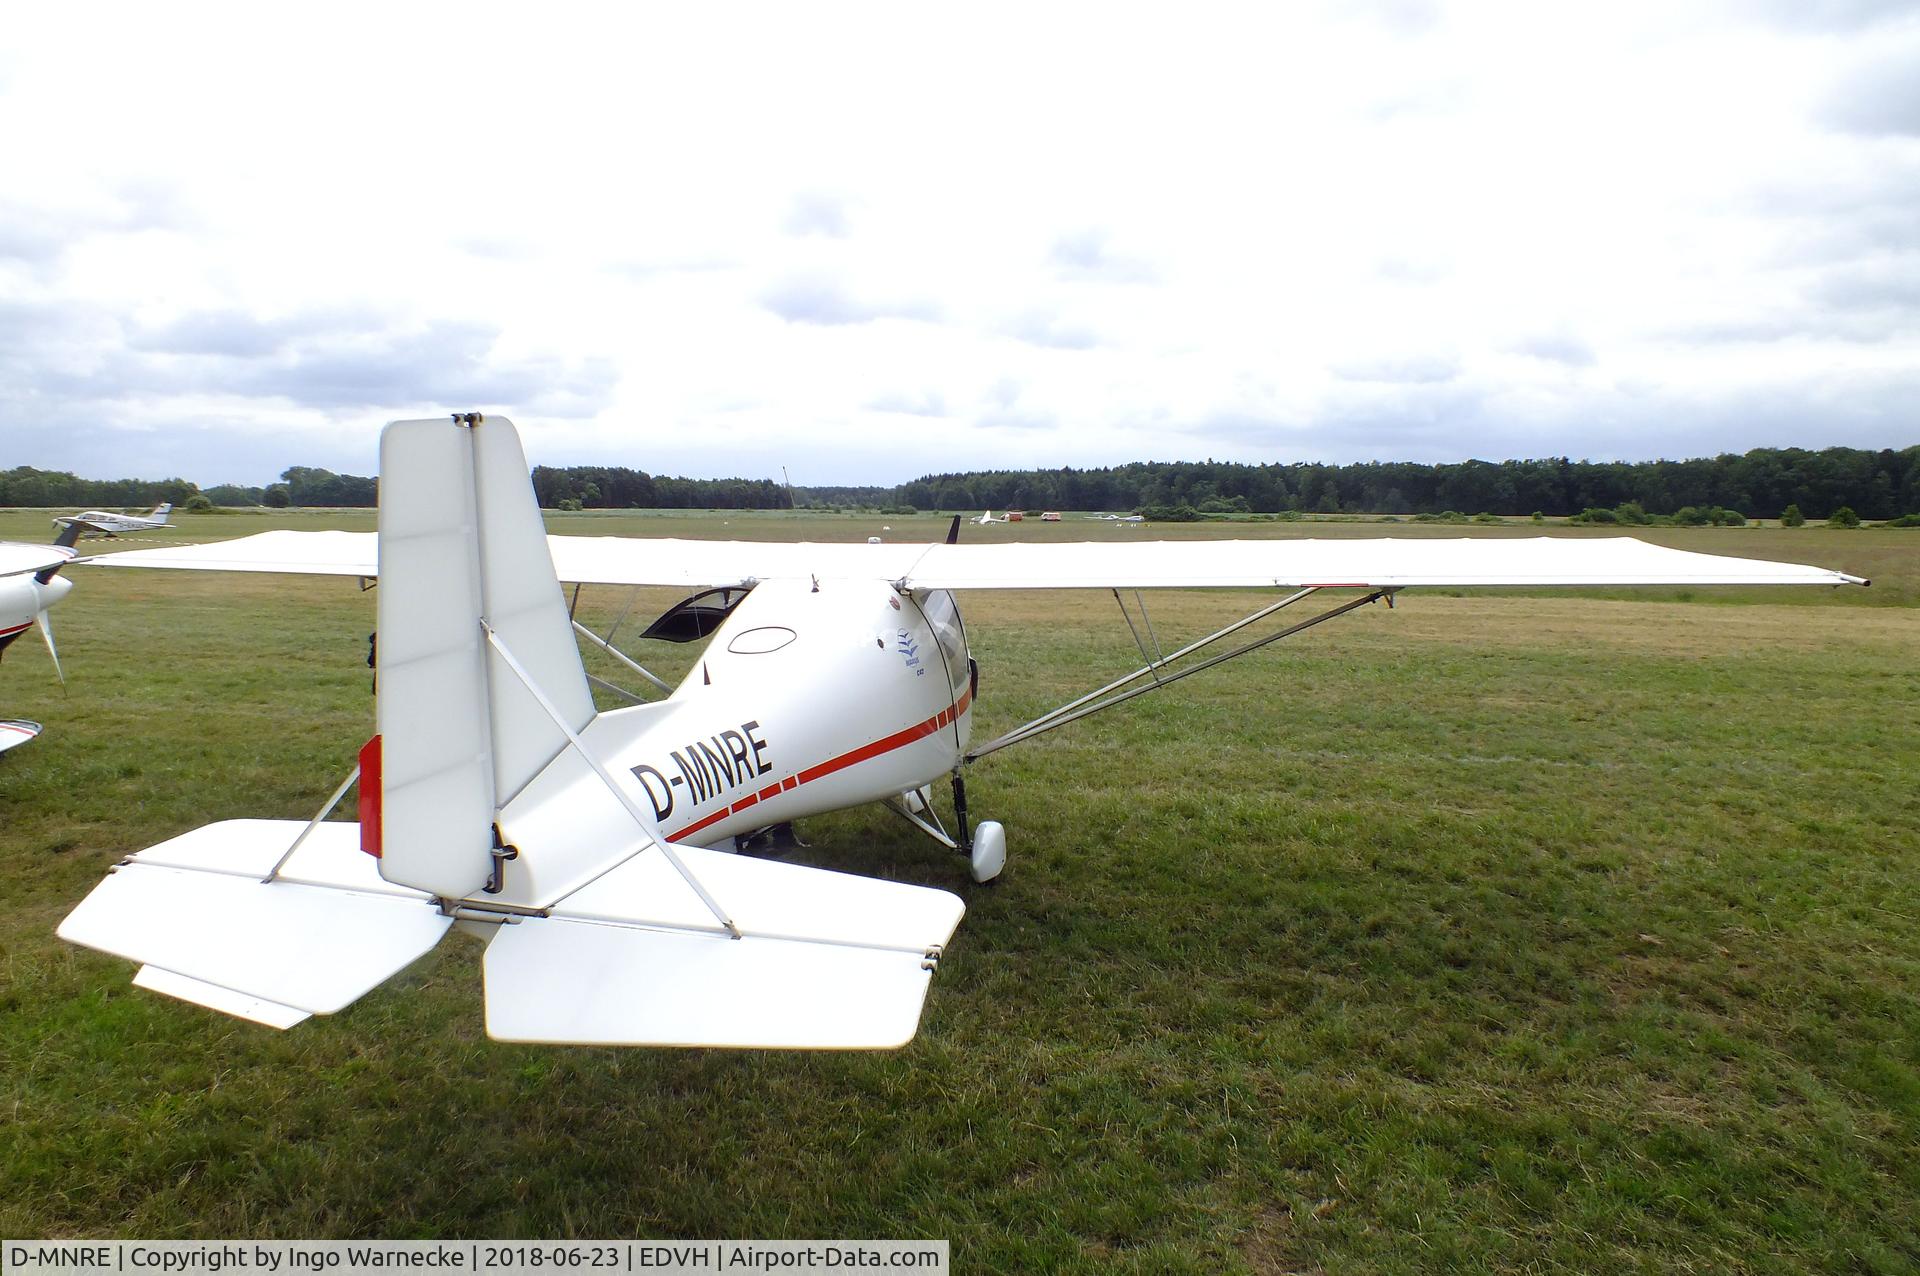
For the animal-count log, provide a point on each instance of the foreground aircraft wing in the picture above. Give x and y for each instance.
(588, 560)
(1378, 563)
(1382, 563)
(18, 559)
(293, 553)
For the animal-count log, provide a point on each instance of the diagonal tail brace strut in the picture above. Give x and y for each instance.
(625, 799)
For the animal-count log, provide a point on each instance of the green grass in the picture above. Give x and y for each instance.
(1488, 933)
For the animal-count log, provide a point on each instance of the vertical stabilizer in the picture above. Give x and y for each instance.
(461, 541)
(438, 798)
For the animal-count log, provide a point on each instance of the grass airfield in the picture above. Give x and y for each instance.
(1492, 932)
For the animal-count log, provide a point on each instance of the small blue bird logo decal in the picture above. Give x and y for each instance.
(911, 650)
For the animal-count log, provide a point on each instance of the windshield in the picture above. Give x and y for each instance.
(943, 615)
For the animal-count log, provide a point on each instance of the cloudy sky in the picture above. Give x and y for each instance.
(869, 242)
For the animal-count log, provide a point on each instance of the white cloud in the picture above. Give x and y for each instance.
(238, 238)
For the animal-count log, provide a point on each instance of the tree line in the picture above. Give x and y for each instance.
(576, 487)
(53, 489)
(1881, 484)
(1762, 482)
(616, 487)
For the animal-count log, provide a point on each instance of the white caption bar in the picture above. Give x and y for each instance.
(471, 1258)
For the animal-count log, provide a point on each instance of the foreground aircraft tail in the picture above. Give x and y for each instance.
(480, 690)
(462, 546)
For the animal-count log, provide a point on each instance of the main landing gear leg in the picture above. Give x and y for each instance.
(985, 847)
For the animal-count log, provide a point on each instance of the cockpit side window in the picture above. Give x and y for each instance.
(943, 616)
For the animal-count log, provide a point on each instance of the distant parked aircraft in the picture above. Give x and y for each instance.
(100, 523)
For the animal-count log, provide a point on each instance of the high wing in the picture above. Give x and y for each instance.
(1379, 563)
(587, 560)
(1382, 563)
(18, 559)
(291, 553)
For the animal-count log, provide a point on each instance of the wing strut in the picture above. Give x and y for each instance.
(1153, 658)
(1111, 694)
(606, 645)
(625, 799)
(615, 689)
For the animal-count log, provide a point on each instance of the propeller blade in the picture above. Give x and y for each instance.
(46, 631)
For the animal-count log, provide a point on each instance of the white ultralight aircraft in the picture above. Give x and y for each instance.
(595, 850)
(100, 523)
(30, 584)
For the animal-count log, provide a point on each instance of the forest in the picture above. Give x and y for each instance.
(1760, 483)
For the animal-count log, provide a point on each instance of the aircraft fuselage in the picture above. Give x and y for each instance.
(807, 702)
(807, 699)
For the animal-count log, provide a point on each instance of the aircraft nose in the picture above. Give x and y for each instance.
(53, 591)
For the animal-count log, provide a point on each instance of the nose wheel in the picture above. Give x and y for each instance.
(989, 853)
(986, 846)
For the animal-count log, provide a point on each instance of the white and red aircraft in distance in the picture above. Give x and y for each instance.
(30, 584)
(596, 851)
(100, 523)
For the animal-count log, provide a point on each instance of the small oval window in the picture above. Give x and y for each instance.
(758, 642)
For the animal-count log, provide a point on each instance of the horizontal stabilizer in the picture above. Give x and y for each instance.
(315, 940)
(765, 897)
(214, 997)
(588, 983)
(827, 961)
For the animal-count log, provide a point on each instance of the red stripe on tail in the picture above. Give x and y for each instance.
(370, 797)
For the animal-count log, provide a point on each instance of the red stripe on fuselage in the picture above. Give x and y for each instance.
(898, 740)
